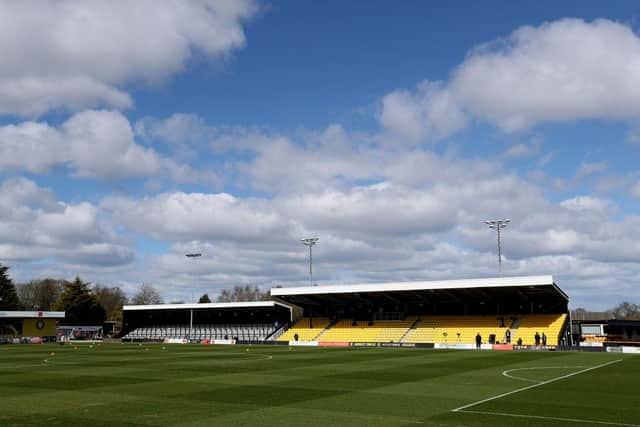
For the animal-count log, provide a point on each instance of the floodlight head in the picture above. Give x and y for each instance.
(497, 223)
(310, 241)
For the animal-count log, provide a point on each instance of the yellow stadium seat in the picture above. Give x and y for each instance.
(550, 324)
(378, 331)
(306, 329)
(457, 329)
(431, 329)
(463, 329)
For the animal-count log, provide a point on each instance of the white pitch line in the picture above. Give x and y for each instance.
(534, 385)
(506, 373)
(540, 417)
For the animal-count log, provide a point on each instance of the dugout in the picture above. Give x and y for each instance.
(596, 333)
(30, 325)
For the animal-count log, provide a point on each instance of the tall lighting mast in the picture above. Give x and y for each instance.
(498, 224)
(310, 241)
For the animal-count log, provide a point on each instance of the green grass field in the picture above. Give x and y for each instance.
(261, 385)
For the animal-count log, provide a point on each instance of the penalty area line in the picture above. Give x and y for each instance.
(469, 405)
(540, 417)
(538, 368)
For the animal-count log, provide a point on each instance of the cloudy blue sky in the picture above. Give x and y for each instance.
(133, 133)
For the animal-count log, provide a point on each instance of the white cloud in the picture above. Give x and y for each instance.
(101, 143)
(429, 113)
(92, 144)
(377, 210)
(197, 216)
(34, 226)
(312, 162)
(74, 54)
(523, 150)
(591, 168)
(581, 204)
(30, 146)
(635, 190)
(560, 71)
(179, 128)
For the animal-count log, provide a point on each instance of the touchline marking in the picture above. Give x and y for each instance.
(506, 373)
(540, 417)
(529, 387)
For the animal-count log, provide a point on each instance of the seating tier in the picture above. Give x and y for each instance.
(379, 331)
(306, 328)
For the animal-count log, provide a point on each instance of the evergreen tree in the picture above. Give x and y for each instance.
(8, 296)
(80, 305)
(204, 299)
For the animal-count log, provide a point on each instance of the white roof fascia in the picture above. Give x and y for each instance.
(494, 282)
(248, 304)
(32, 314)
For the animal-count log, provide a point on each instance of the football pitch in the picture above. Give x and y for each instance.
(198, 385)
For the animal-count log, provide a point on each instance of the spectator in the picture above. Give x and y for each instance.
(520, 341)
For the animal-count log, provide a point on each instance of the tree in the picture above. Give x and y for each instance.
(80, 305)
(40, 294)
(204, 299)
(146, 294)
(626, 311)
(243, 293)
(8, 296)
(112, 299)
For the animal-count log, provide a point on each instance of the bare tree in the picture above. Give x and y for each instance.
(241, 293)
(40, 294)
(112, 299)
(626, 311)
(146, 294)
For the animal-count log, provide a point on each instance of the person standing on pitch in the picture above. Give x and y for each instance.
(544, 339)
(536, 338)
(507, 336)
(478, 341)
